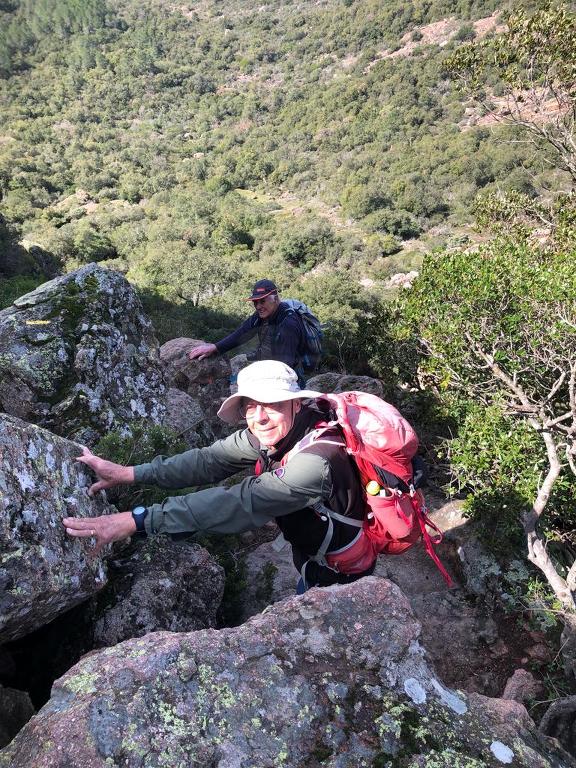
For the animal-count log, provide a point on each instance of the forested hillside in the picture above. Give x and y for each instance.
(199, 146)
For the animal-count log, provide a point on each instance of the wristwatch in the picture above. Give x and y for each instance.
(139, 515)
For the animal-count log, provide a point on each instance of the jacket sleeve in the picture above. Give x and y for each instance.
(239, 336)
(288, 340)
(250, 504)
(200, 466)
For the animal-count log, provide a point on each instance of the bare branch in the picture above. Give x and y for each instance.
(557, 384)
(537, 553)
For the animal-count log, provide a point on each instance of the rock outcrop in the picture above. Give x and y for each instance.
(205, 383)
(471, 646)
(337, 382)
(335, 677)
(158, 584)
(42, 572)
(79, 357)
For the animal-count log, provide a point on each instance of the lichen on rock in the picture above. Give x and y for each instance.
(316, 679)
(80, 356)
(42, 571)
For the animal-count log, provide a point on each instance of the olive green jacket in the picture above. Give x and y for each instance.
(305, 480)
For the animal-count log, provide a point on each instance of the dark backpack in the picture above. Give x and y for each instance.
(312, 334)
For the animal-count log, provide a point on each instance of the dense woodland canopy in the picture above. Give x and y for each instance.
(200, 146)
(239, 139)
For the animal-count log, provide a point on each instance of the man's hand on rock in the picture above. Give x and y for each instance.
(109, 474)
(105, 529)
(202, 351)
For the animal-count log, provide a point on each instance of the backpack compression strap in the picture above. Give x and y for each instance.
(324, 513)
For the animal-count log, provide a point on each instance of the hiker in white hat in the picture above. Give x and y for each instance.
(311, 490)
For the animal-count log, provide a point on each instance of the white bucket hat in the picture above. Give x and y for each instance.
(267, 381)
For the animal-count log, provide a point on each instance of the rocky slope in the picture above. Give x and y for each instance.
(334, 678)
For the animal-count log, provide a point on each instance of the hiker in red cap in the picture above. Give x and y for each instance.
(276, 325)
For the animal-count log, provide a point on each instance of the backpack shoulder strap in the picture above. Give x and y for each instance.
(325, 434)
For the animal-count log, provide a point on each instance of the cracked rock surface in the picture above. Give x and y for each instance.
(43, 572)
(335, 677)
(79, 356)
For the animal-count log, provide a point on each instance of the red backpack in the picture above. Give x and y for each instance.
(382, 444)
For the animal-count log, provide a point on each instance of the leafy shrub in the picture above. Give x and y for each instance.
(13, 287)
(138, 446)
(400, 223)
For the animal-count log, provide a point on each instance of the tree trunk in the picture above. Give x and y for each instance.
(538, 555)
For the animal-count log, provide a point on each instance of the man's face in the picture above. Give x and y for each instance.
(270, 422)
(267, 306)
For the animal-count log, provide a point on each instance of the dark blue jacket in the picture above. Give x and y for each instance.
(286, 336)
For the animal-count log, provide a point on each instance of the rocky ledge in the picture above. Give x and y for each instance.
(334, 678)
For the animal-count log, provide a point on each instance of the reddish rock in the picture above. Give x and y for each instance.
(337, 672)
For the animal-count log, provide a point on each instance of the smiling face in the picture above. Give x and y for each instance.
(270, 422)
(267, 306)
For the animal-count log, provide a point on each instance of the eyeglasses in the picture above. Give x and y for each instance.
(248, 410)
(263, 299)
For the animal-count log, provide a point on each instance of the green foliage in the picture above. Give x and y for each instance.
(498, 461)
(306, 246)
(502, 213)
(526, 594)
(398, 223)
(506, 300)
(133, 103)
(13, 287)
(139, 446)
(385, 244)
(534, 64)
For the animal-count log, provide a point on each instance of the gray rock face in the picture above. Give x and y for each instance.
(158, 584)
(42, 572)
(337, 382)
(207, 382)
(186, 417)
(15, 710)
(79, 356)
(334, 678)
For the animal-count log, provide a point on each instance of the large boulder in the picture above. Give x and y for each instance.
(43, 572)
(186, 417)
(472, 646)
(158, 584)
(335, 677)
(206, 382)
(79, 356)
(338, 382)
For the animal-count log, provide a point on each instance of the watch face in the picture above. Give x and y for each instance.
(139, 515)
